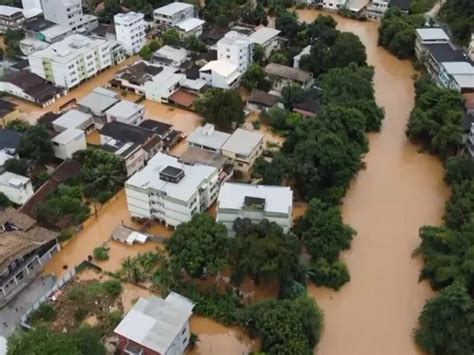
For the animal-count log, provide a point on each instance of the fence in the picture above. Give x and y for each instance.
(60, 283)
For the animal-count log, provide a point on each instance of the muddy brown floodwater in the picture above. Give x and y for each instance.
(399, 191)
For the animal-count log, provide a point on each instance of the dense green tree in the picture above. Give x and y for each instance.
(292, 94)
(171, 38)
(258, 54)
(332, 274)
(347, 49)
(199, 246)
(323, 231)
(102, 173)
(459, 209)
(111, 8)
(18, 125)
(223, 108)
(255, 78)
(282, 120)
(446, 324)
(194, 44)
(397, 32)
(155, 44)
(459, 15)
(42, 340)
(17, 166)
(448, 255)
(254, 16)
(221, 12)
(275, 172)
(435, 122)
(421, 6)
(4, 201)
(285, 326)
(36, 144)
(12, 40)
(146, 53)
(323, 30)
(264, 252)
(459, 169)
(287, 23)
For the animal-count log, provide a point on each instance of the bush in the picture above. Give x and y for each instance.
(45, 312)
(65, 234)
(4, 201)
(113, 287)
(80, 314)
(101, 253)
(76, 293)
(329, 274)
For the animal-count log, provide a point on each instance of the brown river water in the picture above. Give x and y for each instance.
(399, 191)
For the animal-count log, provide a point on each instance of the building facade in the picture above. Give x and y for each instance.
(11, 18)
(255, 202)
(171, 14)
(17, 188)
(243, 148)
(64, 12)
(68, 142)
(376, 10)
(170, 191)
(126, 112)
(237, 49)
(130, 31)
(74, 59)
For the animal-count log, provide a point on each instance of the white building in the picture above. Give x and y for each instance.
(220, 74)
(266, 37)
(428, 36)
(255, 202)
(457, 76)
(132, 154)
(130, 31)
(171, 191)
(66, 143)
(170, 56)
(64, 12)
(171, 14)
(190, 26)
(237, 49)
(163, 85)
(97, 103)
(126, 112)
(333, 4)
(11, 18)
(73, 119)
(207, 138)
(156, 326)
(17, 188)
(242, 148)
(72, 60)
(376, 9)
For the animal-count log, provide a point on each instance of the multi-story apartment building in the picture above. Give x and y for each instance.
(242, 148)
(171, 14)
(24, 249)
(126, 112)
(17, 188)
(236, 48)
(267, 38)
(428, 36)
(333, 4)
(255, 202)
(64, 12)
(130, 31)
(74, 59)
(171, 191)
(376, 9)
(11, 18)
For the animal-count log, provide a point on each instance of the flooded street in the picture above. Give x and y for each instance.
(399, 191)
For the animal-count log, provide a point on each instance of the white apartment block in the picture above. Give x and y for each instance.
(376, 9)
(333, 4)
(17, 188)
(171, 14)
(66, 143)
(74, 59)
(11, 18)
(267, 38)
(171, 191)
(242, 148)
(126, 112)
(64, 12)
(255, 202)
(428, 36)
(236, 48)
(130, 31)
(220, 74)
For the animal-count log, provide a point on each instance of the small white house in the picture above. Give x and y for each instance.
(17, 188)
(220, 74)
(190, 27)
(255, 202)
(163, 85)
(266, 37)
(66, 143)
(74, 119)
(126, 112)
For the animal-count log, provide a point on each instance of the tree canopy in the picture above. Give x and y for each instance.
(435, 122)
(264, 252)
(36, 144)
(223, 108)
(199, 246)
(459, 15)
(16, 166)
(446, 324)
(255, 78)
(42, 340)
(285, 326)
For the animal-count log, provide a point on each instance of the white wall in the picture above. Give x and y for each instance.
(18, 195)
(65, 151)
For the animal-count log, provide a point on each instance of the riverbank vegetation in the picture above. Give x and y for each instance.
(446, 323)
(397, 32)
(459, 15)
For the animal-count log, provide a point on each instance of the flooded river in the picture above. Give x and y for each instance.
(398, 192)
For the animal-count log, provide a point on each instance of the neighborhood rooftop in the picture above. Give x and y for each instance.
(429, 34)
(171, 9)
(100, 99)
(264, 34)
(242, 141)
(286, 72)
(124, 108)
(209, 137)
(276, 199)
